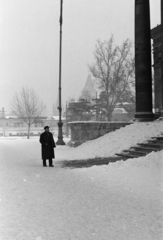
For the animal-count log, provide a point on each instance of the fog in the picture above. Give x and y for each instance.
(29, 43)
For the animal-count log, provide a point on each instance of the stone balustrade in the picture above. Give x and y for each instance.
(83, 131)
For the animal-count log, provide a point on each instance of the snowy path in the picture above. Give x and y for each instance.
(118, 201)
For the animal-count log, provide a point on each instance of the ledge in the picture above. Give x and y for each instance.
(83, 131)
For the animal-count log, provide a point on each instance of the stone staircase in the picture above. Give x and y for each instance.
(142, 149)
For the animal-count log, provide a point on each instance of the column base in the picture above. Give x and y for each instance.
(60, 141)
(144, 116)
(60, 136)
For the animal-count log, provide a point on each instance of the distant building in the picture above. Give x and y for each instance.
(11, 125)
(88, 91)
(2, 113)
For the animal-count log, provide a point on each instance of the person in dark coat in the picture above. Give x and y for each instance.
(48, 145)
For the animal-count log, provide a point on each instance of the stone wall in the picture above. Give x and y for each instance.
(84, 131)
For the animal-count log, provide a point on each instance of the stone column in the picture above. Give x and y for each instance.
(162, 52)
(143, 73)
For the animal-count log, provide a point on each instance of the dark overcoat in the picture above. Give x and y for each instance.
(48, 145)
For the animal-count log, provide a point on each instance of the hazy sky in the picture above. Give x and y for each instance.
(29, 43)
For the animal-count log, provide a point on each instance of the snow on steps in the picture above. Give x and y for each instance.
(142, 149)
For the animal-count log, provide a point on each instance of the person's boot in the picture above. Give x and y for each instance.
(44, 163)
(51, 163)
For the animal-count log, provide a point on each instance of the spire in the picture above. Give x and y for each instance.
(89, 88)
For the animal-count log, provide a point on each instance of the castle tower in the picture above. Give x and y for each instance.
(88, 91)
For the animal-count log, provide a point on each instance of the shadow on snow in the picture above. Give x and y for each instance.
(89, 162)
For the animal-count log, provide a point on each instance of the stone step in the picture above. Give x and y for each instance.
(150, 145)
(138, 153)
(156, 142)
(145, 149)
(158, 138)
(124, 155)
(142, 149)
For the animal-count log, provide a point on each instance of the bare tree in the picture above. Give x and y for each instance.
(113, 70)
(27, 106)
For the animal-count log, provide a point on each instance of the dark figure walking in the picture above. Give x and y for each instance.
(48, 145)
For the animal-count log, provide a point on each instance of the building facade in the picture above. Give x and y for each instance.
(16, 126)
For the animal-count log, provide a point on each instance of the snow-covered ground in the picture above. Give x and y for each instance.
(122, 200)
